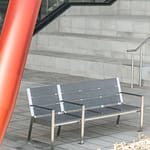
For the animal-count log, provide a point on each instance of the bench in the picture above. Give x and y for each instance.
(96, 99)
(45, 109)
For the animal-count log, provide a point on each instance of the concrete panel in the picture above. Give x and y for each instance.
(92, 41)
(81, 67)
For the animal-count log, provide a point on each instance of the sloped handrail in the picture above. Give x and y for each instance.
(140, 45)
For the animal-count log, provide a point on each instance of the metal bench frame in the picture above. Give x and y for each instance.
(83, 109)
(111, 106)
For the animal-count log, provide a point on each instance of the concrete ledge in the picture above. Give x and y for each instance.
(81, 65)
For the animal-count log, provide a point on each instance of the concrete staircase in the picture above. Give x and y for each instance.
(92, 41)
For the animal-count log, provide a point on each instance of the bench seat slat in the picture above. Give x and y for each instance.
(96, 112)
(60, 119)
(125, 107)
(88, 114)
(93, 113)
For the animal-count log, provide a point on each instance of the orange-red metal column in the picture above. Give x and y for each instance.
(15, 40)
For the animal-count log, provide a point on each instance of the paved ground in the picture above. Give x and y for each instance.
(98, 134)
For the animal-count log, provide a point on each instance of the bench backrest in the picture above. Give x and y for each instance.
(94, 93)
(45, 96)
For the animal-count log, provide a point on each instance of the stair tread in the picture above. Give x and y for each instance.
(96, 58)
(89, 36)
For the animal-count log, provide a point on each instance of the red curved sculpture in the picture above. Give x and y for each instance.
(15, 40)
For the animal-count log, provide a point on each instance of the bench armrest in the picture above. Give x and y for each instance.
(42, 107)
(52, 112)
(82, 107)
(142, 101)
(73, 103)
(138, 95)
(142, 107)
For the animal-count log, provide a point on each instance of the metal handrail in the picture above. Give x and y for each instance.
(139, 47)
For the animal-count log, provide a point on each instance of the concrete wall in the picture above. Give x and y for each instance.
(125, 18)
(85, 32)
(121, 7)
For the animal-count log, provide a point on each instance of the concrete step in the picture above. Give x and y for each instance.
(108, 25)
(74, 43)
(81, 65)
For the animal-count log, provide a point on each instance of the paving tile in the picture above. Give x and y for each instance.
(98, 133)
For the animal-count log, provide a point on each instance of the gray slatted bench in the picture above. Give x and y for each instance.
(102, 99)
(45, 109)
(97, 98)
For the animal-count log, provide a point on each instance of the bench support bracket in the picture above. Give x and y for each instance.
(30, 128)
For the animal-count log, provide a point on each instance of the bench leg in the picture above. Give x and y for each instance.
(82, 125)
(30, 129)
(52, 129)
(118, 119)
(141, 114)
(58, 131)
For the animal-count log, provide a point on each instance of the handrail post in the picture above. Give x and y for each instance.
(140, 67)
(140, 48)
(132, 71)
